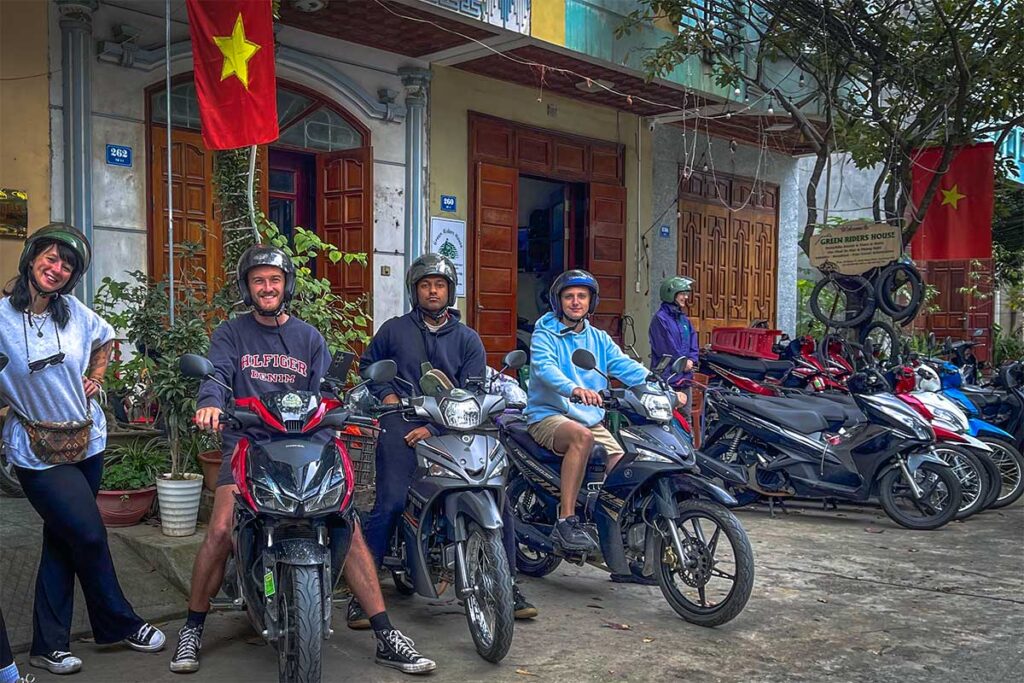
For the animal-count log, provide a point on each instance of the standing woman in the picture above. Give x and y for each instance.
(671, 334)
(59, 350)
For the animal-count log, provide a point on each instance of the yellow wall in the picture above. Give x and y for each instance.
(454, 93)
(24, 116)
(547, 20)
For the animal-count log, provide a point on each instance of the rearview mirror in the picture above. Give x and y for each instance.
(515, 359)
(192, 365)
(931, 341)
(662, 364)
(381, 371)
(947, 346)
(978, 333)
(679, 366)
(584, 359)
(869, 350)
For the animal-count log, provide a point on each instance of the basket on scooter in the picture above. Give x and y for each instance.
(753, 342)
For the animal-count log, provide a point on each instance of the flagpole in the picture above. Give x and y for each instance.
(252, 204)
(170, 185)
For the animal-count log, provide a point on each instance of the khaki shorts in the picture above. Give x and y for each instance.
(543, 433)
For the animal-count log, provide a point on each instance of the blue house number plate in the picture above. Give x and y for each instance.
(448, 202)
(119, 155)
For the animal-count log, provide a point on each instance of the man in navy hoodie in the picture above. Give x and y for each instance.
(431, 332)
(269, 350)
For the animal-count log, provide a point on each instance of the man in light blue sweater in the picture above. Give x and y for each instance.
(572, 429)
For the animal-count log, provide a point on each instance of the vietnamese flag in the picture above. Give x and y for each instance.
(233, 52)
(958, 224)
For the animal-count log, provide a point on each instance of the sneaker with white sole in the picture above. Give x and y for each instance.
(57, 662)
(396, 650)
(186, 655)
(146, 639)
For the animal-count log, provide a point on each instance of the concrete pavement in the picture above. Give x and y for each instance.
(844, 596)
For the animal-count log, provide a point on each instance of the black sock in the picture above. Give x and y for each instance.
(380, 622)
(195, 619)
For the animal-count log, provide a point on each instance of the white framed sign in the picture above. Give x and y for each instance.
(448, 238)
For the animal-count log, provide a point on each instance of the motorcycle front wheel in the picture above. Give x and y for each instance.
(489, 608)
(302, 637)
(974, 482)
(937, 506)
(712, 583)
(1010, 463)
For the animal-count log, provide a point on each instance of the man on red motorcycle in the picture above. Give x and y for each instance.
(269, 350)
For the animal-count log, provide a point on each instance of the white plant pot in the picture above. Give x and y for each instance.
(179, 503)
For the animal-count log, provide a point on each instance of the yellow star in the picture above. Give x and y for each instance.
(237, 53)
(951, 197)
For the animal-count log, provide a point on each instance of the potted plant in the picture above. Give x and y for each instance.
(128, 486)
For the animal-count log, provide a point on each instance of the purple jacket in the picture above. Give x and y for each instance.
(672, 334)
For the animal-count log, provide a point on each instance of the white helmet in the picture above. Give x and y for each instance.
(927, 379)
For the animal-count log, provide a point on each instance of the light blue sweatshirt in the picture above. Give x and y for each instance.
(553, 376)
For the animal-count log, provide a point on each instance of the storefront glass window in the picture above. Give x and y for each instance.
(184, 106)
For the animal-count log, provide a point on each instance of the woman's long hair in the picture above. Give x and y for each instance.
(20, 290)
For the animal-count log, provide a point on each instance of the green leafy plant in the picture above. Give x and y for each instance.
(806, 323)
(134, 466)
(1007, 345)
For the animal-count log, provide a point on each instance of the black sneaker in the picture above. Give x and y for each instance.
(356, 617)
(57, 662)
(186, 655)
(570, 536)
(396, 650)
(523, 608)
(146, 639)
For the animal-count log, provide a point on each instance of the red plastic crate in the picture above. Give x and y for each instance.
(753, 342)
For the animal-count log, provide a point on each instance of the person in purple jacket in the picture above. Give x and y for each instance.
(671, 334)
(269, 350)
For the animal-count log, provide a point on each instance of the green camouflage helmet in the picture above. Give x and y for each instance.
(67, 235)
(673, 285)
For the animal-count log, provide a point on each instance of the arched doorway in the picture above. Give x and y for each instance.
(317, 175)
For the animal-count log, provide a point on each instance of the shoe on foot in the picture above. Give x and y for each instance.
(397, 651)
(186, 655)
(146, 639)
(356, 617)
(57, 662)
(523, 608)
(633, 578)
(571, 536)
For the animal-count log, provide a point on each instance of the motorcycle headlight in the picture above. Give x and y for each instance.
(460, 414)
(658, 406)
(915, 425)
(435, 469)
(331, 490)
(645, 455)
(268, 495)
(956, 419)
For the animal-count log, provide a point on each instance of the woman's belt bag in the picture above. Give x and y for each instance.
(58, 443)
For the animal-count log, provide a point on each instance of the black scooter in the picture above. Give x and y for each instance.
(796, 452)
(655, 514)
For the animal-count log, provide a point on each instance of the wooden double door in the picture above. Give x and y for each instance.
(499, 152)
(728, 243)
(343, 212)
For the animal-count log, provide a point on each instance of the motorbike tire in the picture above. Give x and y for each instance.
(943, 475)
(886, 285)
(743, 579)
(1010, 463)
(403, 584)
(9, 484)
(489, 570)
(888, 331)
(975, 485)
(846, 317)
(544, 563)
(994, 478)
(301, 641)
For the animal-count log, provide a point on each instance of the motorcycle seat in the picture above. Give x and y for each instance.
(841, 409)
(803, 421)
(753, 368)
(983, 397)
(518, 432)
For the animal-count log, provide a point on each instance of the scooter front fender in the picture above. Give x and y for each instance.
(915, 461)
(700, 487)
(976, 444)
(475, 506)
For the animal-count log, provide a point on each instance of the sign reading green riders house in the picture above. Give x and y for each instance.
(854, 248)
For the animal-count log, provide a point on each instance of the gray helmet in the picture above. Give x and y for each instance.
(427, 265)
(266, 255)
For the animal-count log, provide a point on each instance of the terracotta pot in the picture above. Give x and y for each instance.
(124, 508)
(211, 461)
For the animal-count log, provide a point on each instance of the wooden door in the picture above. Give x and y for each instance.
(496, 258)
(344, 214)
(191, 174)
(960, 312)
(606, 251)
(728, 243)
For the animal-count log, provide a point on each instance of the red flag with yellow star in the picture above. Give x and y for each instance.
(958, 224)
(233, 52)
